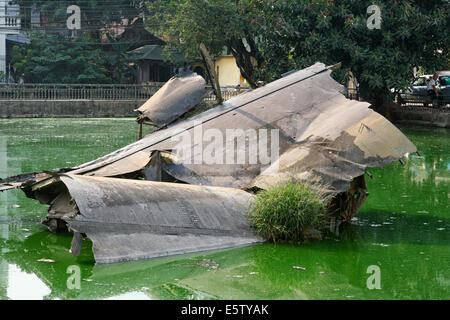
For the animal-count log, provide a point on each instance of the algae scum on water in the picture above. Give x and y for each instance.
(403, 228)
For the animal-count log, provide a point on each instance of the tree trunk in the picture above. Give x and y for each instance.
(243, 60)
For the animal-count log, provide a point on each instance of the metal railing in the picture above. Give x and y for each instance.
(417, 100)
(111, 92)
(78, 91)
(352, 94)
(227, 93)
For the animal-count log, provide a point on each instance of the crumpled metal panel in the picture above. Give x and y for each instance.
(322, 134)
(134, 219)
(124, 166)
(6, 187)
(175, 98)
(22, 180)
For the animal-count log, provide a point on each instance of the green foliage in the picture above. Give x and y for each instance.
(290, 212)
(54, 59)
(219, 24)
(185, 24)
(290, 34)
(92, 56)
(94, 13)
(295, 34)
(50, 59)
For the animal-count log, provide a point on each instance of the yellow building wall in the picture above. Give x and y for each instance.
(229, 74)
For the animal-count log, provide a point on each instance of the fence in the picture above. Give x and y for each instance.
(107, 92)
(111, 92)
(227, 93)
(77, 91)
(352, 94)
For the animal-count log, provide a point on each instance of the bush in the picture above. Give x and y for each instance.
(290, 212)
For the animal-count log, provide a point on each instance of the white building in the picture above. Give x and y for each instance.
(12, 32)
(9, 26)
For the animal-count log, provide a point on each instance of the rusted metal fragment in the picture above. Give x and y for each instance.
(337, 158)
(321, 134)
(175, 98)
(254, 109)
(22, 180)
(347, 204)
(6, 187)
(130, 164)
(133, 219)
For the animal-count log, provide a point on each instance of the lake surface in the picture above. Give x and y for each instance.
(403, 229)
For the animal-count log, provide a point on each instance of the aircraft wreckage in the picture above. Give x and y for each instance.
(148, 199)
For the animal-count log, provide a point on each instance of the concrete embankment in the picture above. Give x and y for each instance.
(421, 116)
(68, 108)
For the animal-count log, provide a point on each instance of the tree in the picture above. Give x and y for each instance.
(95, 14)
(184, 24)
(49, 59)
(287, 34)
(93, 54)
(295, 34)
(53, 59)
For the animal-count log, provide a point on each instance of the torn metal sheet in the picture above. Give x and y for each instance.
(175, 98)
(22, 180)
(126, 165)
(321, 134)
(132, 219)
(318, 135)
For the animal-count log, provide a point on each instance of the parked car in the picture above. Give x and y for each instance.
(417, 93)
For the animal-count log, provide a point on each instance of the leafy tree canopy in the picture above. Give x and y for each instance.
(184, 24)
(286, 34)
(295, 34)
(94, 13)
(90, 55)
(51, 58)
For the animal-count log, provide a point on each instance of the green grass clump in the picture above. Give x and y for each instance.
(290, 212)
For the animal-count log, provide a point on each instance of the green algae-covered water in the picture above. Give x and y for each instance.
(403, 231)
